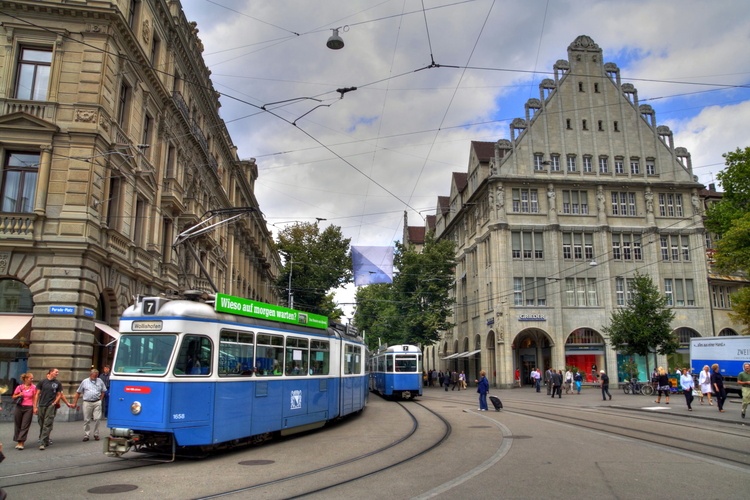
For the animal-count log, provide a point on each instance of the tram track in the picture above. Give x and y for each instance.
(703, 448)
(439, 442)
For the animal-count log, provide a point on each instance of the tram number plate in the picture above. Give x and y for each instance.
(178, 416)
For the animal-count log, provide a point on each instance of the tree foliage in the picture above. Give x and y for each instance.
(644, 324)
(416, 307)
(318, 262)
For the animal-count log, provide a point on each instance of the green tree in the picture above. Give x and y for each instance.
(735, 200)
(318, 262)
(644, 324)
(417, 305)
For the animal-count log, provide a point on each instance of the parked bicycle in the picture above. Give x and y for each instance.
(636, 387)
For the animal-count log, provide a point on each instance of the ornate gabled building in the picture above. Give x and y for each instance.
(111, 145)
(552, 224)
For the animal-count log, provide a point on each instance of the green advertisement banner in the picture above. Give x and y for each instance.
(253, 309)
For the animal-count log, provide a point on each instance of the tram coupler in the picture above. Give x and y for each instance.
(120, 441)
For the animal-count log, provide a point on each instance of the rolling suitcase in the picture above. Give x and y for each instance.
(496, 403)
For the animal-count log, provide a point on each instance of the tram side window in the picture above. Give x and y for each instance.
(236, 354)
(269, 355)
(320, 357)
(389, 363)
(381, 363)
(406, 364)
(296, 357)
(147, 354)
(353, 361)
(194, 357)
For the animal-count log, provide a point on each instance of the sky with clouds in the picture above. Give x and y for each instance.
(391, 145)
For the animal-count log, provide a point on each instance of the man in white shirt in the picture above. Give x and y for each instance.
(92, 389)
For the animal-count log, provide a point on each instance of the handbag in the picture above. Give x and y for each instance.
(697, 392)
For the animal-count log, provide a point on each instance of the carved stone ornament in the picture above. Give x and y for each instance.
(96, 28)
(562, 64)
(548, 83)
(85, 115)
(4, 262)
(681, 151)
(584, 42)
(104, 123)
(610, 66)
(628, 88)
(518, 123)
(534, 104)
(646, 109)
(146, 31)
(649, 201)
(504, 144)
(663, 130)
(500, 197)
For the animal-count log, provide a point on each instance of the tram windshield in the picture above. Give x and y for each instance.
(146, 354)
(406, 364)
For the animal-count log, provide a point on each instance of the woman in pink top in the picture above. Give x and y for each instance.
(24, 408)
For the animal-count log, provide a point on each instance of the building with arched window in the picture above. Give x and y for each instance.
(552, 224)
(111, 144)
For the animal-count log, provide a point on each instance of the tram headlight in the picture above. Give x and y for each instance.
(135, 408)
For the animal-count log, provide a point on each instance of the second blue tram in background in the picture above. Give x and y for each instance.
(396, 371)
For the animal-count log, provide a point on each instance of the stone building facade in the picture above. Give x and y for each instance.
(552, 224)
(111, 144)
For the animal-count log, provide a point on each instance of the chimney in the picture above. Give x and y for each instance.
(712, 187)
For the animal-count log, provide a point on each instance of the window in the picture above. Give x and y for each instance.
(525, 201)
(626, 247)
(138, 223)
(580, 292)
(144, 354)
(571, 163)
(490, 303)
(587, 164)
(132, 13)
(554, 163)
(635, 167)
(269, 355)
(527, 245)
(578, 246)
(650, 167)
(575, 202)
(584, 125)
(123, 104)
(670, 205)
(668, 292)
(297, 357)
(194, 357)
(689, 293)
(407, 363)
(32, 79)
(538, 159)
(686, 248)
(675, 248)
(619, 168)
(353, 360)
(567, 124)
(534, 293)
(169, 171)
(580, 86)
(603, 166)
(146, 137)
(154, 56)
(623, 203)
(320, 355)
(623, 290)
(236, 350)
(19, 182)
(596, 88)
(637, 253)
(617, 127)
(616, 250)
(664, 248)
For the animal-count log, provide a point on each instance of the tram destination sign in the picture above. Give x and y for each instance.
(253, 309)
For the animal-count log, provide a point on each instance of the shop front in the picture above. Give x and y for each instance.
(584, 352)
(681, 358)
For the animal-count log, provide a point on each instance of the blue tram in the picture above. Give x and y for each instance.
(219, 371)
(396, 371)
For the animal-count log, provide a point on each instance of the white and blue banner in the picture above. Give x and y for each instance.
(372, 265)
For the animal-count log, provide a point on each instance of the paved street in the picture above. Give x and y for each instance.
(573, 447)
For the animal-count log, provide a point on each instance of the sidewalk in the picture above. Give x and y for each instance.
(592, 396)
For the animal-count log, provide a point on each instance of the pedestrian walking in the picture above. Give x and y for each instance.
(744, 380)
(557, 380)
(429, 378)
(92, 389)
(48, 395)
(717, 381)
(454, 379)
(662, 385)
(704, 380)
(447, 379)
(578, 379)
(104, 377)
(568, 381)
(24, 411)
(548, 380)
(462, 380)
(483, 387)
(688, 384)
(605, 385)
(518, 378)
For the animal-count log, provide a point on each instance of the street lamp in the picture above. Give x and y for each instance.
(335, 42)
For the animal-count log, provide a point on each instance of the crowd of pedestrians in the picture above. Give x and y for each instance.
(44, 399)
